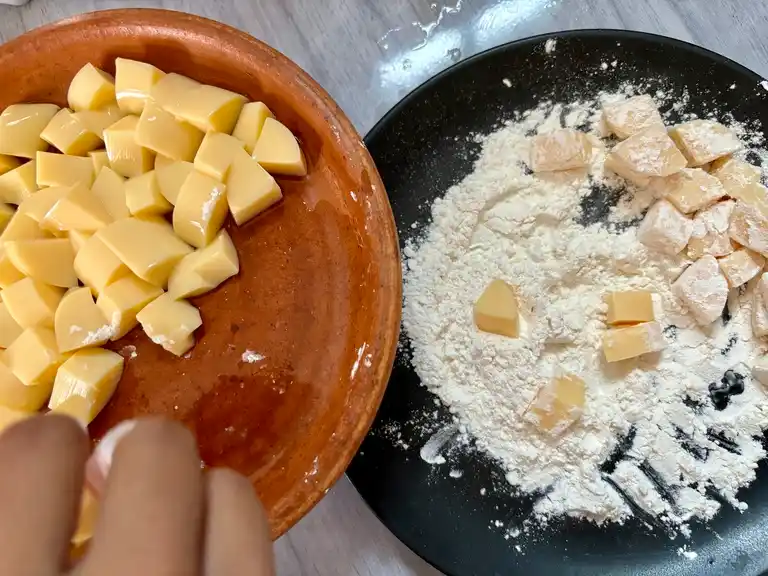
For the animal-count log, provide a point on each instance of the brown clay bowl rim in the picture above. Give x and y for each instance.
(354, 429)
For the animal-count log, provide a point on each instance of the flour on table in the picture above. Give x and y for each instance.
(649, 442)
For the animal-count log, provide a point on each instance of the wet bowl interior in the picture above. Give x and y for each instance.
(317, 301)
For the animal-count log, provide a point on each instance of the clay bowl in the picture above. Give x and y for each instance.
(318, 297)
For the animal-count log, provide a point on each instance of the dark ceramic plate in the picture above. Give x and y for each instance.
(422, 147)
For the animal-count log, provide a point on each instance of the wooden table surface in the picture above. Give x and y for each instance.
(370, 53)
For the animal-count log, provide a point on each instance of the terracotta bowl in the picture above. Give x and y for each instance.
(317, 301)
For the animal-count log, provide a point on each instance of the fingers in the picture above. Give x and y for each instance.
(152, 508)
(238, 540)
(40, 485)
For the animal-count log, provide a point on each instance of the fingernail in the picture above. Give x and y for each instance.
(105, 450)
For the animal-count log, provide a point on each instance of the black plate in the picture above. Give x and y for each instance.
(422, 147)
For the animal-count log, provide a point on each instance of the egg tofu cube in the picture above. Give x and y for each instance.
(563, 149)
(133, 83)
(650, 152)
(741, 266)
(34, 357)
(624, 343)
(170, 323)
(665, 229)
(200, 210)
(96, 121)
(6, 213)
(50, 261)
(250, 189)
(703, 141)
(109, 188)
(79, 209)
(91, 89)
(122, 300)
(14, 395)
(171, 178)
(749, 227)
(63, 170)
(100, 160)
(217, 153)
(210, 108)
(630, 116)
(78, 238)
(32, 303)
(9, 274)
(205, 269)
(21, 126)
(143, 197)
(250, 123)
(92, 375)
(9, 328)
(170, 90)
(690, 190)
(710, 231)
(22, 227)
(19, 183)
(703, 289)
(8, 163)
(148, 247)
(97, 266)
(126, 156)
(41, 202)
(69, 135)
(278, 151)
(79, 323)
(162, 133)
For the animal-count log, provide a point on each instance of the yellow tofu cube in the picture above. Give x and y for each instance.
(9, 328)
(122, 300)
(21, 126)
(629, 307)
(92, 375)
(49, 261)
(250, 123)
(14, 395)
(159, 131)
(210, 109)
(250, 189)
(702, 289)
(69, 135)
(91, 89)
(648, 153)
(172, 177)
(690, 190)
(9, 274)
(563, 149)
(278, 151)
(201, 209)
(148, 247)
(204, 269)
(624, 343)
(79, 209)
(22, 227)
(6, 213)
(161, 161)
(97, 266)
(41, 202)
(664, 229)
(78, 239)
(558, 404)
(143, 197)
(710, 231)
(496, 311)
(749, 227)
(79, 323)
(703, 141)
(8, 163)
(19, 184)
(628, 117)
(100, 160)
(170, 323)
(34, 357)
(741, 266)
(133, 83)
(217, 153)
(109, 188)
(62, 170)
(9, 417)
(96, 121)
(126, 156)
(31, 303)
(170, 90)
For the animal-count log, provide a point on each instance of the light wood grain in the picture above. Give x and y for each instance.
(370, 53)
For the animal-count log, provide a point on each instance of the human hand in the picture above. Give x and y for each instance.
(161, 514)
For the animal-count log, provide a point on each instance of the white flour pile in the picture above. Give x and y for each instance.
(686, 458)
